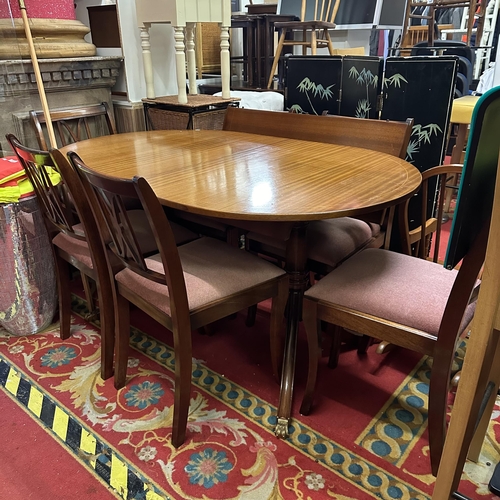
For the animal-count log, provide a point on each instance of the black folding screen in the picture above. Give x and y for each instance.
(361, 84)
(348, 86)
(312, 84)
(421, 88)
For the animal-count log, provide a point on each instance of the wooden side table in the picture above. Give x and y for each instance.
(204, 112)
(251, 46)
(183, 15)
(267, 42)
(262, 8)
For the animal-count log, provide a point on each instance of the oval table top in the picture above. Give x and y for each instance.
(252, 177)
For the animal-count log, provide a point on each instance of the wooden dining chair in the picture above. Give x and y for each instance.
(323, 17)
(182, 288)
(413, 242)
(413, 302)
(74, 124)
(73, 242)
(74, 233)
(331, 241)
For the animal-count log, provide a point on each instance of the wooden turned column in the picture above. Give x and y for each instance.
(180, 63)
(191, 58)
(225, 62)
(147, 61)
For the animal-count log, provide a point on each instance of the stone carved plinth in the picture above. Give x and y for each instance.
(68, 82)
(54, 28)
(51, 38)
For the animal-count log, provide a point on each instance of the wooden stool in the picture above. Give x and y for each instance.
(461, 114)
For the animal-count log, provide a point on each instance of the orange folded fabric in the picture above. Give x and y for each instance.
(10, 169)
(14, 183)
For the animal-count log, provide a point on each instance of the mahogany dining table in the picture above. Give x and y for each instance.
(248, 178)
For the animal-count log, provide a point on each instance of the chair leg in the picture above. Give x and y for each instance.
(331, 50)
(251, 315)
(122, 340)
(336, 334)
(438, 403)
(276, 328)
(183, 370)
(89, 295)
(63, 285)
(313, 331)
(313, 42)
(279, 48)
(364, 343)
(107, 320)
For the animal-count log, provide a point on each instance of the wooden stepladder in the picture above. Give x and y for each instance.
(480, 377)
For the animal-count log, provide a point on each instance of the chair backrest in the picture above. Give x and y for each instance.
(472, 217)
(106, 196)
(54, 200)
(475, 196)
(417, 34)
(324, 10)
(389, 137)
(349, 51)
(74, 124)
(450, 48)
(418, 243)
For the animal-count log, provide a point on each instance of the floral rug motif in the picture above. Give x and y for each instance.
(230, 451)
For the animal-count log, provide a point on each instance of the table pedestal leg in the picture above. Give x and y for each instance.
(296, 268)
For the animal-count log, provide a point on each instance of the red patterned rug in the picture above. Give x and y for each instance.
(366, 437)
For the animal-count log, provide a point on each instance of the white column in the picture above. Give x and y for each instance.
(180, 64)
(225, 70)
(191, 58)
(147, 61)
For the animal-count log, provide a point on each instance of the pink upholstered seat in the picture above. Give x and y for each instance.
(145, 236)
(400, 299)
(392, 286)
(182, 287)
(330, 241)
(212, 270)
(74, 247)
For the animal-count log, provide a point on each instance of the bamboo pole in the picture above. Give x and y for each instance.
(38, 75)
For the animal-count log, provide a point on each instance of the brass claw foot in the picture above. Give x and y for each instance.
(281, 429)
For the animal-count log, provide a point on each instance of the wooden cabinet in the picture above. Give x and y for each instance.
(207, 48)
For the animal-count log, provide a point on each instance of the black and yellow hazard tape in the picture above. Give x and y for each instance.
(91, 451)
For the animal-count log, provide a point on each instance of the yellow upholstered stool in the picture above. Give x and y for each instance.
(461, 115)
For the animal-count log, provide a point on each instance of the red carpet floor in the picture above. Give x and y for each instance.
(366, 437)
(36, 467)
